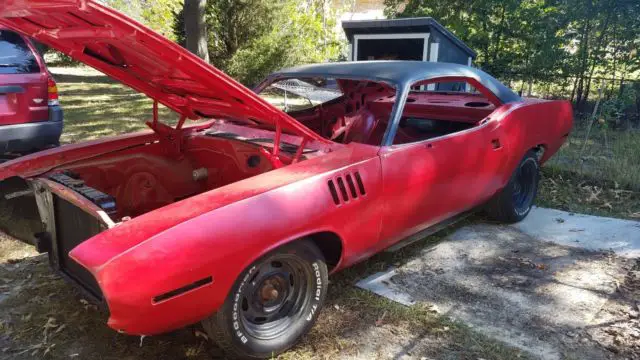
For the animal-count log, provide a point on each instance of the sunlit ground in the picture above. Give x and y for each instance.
(95, 106)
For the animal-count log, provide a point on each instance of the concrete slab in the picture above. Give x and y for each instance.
(584, 231)
(536, 285)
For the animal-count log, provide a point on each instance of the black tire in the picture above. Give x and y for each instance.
(513, 203)
(272, 304)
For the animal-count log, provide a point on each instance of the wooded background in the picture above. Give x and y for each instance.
(547, 48)
(566, 47)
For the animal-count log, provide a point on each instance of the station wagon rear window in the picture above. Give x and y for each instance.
(15, 55)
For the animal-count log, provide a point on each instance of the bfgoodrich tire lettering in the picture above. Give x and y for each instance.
(515, 201)
(273, 303)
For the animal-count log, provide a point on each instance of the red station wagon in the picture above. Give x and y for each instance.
(30, 113)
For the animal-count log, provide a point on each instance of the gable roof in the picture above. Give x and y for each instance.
(407, 25)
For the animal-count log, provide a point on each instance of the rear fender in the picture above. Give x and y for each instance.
(19, 216)
(534, 124)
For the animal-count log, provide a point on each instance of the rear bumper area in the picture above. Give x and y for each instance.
(32, 136)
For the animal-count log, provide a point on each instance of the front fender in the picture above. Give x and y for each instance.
(219, 245)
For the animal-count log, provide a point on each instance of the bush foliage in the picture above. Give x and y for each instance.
(248, 39)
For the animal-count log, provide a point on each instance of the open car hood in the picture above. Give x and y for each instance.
(142, 59)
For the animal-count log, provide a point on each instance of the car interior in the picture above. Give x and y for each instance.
(362, 111)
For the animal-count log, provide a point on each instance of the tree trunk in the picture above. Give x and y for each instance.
(496, 49)
(584, 51)
(195, 28)
(599, 44)
(573, 91)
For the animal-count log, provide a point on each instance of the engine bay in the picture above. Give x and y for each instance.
(130, 182)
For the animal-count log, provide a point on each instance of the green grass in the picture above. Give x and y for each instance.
(570, 191)
(606, 156)
(597, 175)
(95, 106)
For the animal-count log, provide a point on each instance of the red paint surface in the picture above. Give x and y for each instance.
(228, 221)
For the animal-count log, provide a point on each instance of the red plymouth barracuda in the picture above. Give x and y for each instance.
(237, 221)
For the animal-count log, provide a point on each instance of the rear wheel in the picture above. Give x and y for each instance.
(514, 202)
(272, 304)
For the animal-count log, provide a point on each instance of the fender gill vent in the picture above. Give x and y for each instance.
(334, 192)
(352, 187)
(344, 189)
(360, 183)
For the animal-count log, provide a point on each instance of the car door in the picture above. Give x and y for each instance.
(429, 181)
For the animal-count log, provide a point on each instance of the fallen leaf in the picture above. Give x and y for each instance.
(379, 321)
(48, 350)
(593, 193)
(51, 323)
(199, 333)
(607, 205)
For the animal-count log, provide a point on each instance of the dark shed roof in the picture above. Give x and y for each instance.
(400, 73)
(408, 25)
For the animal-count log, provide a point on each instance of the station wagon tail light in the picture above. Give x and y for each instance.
(52, 90)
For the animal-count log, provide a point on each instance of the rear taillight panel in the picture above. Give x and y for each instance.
(52, 90)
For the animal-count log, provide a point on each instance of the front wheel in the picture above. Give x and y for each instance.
(514, 202)
(272, 304)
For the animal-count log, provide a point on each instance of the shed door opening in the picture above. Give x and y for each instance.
(390, 49)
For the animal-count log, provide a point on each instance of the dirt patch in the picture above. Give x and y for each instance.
(11, 250)
(617, 325)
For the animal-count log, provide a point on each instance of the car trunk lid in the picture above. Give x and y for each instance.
(142, 59)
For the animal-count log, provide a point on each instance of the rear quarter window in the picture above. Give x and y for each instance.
(15, 55)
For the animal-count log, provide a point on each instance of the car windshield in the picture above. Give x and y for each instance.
(15, 56)
(293, 95)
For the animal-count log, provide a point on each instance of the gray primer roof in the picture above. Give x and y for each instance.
(407, 25)
(399, 73)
